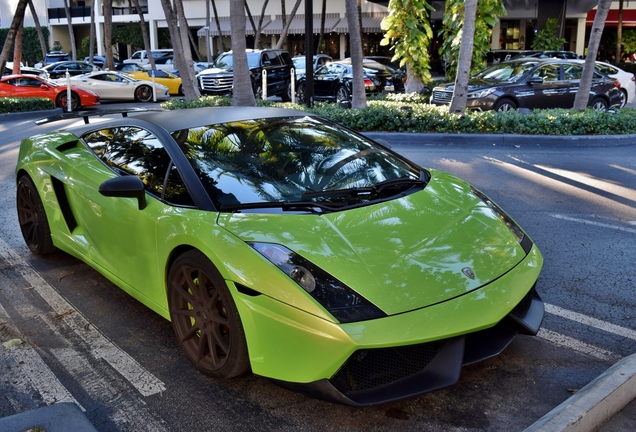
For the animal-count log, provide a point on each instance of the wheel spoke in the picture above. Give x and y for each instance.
(192, 332)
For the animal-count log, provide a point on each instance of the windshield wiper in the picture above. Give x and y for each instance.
(401, 183)
(284, 205)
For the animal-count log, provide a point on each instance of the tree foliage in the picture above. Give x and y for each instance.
(31, 51)
(488, 13)
(409, 34)
(547, 39)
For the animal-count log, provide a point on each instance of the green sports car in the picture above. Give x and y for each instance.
(279, 242)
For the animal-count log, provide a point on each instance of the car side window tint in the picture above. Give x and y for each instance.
(130, 150)
(548, 72)
(573, 72)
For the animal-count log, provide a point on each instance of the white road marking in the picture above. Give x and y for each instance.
(577, 345)
(28, 371)
(102, 347)
(594, 223)
(592, 322)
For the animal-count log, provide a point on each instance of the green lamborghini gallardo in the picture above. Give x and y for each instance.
(280, 243)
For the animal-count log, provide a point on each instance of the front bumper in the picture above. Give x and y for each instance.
(399, 356)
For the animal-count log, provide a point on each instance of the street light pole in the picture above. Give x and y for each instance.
(309, 53)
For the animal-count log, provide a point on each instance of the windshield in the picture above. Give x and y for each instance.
(508, 71)
(226, 61)
(298, 159)
(299, 62)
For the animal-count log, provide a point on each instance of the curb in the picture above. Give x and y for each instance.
(28, 114)
(504, 139)
(59, 417)
(595, 404)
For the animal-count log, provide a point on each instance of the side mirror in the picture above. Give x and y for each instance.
(129, 186)
(535, 80)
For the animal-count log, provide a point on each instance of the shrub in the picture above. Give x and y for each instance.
(14, 104)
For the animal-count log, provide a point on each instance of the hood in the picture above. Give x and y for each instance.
(212, 71)
(403, 254)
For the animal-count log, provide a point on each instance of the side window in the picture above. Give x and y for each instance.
(130, 150)
(573, 72)
(548, 72)
(286, 58)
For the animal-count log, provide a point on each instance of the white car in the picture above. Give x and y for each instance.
(627, 80)
(111, 85)
(141, 57)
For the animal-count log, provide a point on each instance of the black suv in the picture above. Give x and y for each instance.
(219, 78)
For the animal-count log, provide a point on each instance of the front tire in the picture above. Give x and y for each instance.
(32, 218)
(205, 318)
(143, 93)
(258, 92)
(505, 105)
(286, 95)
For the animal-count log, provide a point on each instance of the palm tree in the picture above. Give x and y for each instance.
(71, 33)
(460, 94)
(108, 33)
(283, 36)
(583, 94)
(242, 95)
(17, 49)
(257, 36)
(18, 17)
(144, 34)
(359, 97)
(38, 28)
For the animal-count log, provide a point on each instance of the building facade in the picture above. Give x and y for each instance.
(512, 32)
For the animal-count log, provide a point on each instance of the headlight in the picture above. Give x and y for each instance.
(341, 301)
(515, 229)
(481, 93)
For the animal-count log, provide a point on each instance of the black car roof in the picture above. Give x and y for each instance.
(172, 120)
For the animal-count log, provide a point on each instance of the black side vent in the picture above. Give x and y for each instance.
(524, 305)
(66, 146)
(62, 200)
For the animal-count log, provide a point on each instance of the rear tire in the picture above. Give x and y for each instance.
(286, 95)
(599, 104)
(342, 94)
(623, 98)
(61, 101)
(143, 93)
(32, 218)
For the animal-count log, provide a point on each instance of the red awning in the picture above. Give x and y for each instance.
(629, 18)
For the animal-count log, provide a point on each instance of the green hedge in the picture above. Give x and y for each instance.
(14, 104)
(409, 113)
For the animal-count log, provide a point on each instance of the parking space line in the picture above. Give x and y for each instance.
(595, 223)
(146, 383)
(577, 345)
(592, 322)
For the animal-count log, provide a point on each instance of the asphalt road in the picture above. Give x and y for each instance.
(87, 342)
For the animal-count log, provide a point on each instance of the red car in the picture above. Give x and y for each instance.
(33, 86)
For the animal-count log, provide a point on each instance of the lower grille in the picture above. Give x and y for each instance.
(216, 84)
(368, 369)
(524, 305)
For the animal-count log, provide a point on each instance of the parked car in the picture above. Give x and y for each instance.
(111, 85)
(24, 70)
(141, 57)
(627, 80)
(167, 64)
(30, 86)
(219, 79)
(532, 83)
(566, 55)
(300, 65)
(58, 69)
(398, 77)
(100, 61)
(53, 57)
(334, 81)
(174, 83)
(281, 243)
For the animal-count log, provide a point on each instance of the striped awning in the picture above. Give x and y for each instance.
(226, 29)
(370, 23)
(297, 25)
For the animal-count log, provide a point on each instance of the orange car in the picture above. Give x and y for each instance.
(32, 86)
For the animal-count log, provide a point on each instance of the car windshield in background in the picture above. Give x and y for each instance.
(509, 71)
(305, 160)
(226, 61)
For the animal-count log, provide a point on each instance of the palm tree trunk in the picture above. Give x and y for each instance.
(322, 26)
(218, 26)
(144, 34)
(71, 33)
(283, 36)
(359, 97)
(583, 94)
(257, 36)
(460, 94)
(243, 94)
(108, 33)
(190, 88)
(17, 49)
(18, 17)
(38, 28)
(91, 37)
(619, 33)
